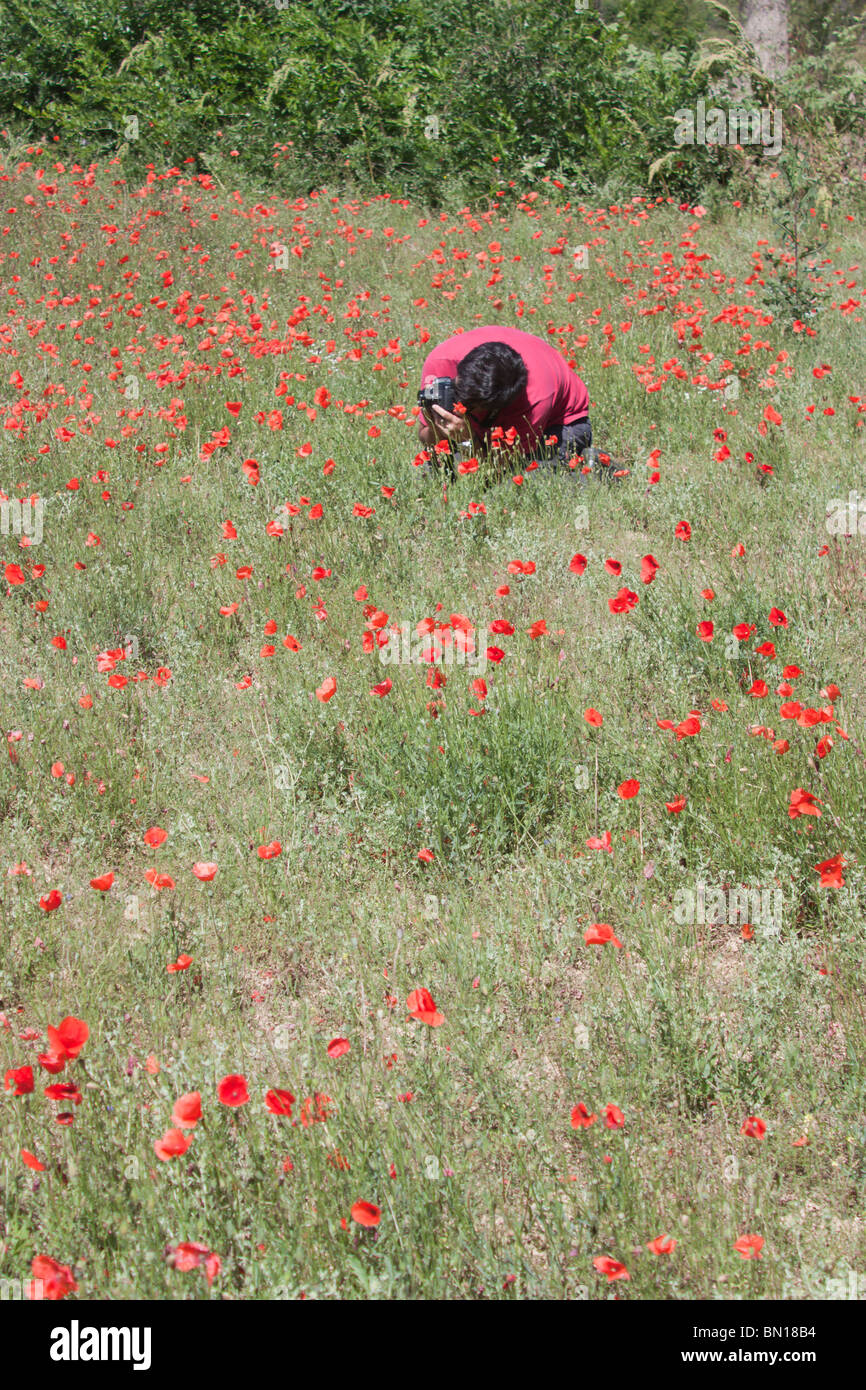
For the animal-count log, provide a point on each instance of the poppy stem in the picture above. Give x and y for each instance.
(364, 1013)
(596, 789)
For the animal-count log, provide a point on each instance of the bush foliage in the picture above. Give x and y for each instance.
(439, 101)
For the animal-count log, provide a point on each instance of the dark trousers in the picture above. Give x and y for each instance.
(570, 440)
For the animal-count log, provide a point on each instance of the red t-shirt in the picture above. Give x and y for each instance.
(554, 394)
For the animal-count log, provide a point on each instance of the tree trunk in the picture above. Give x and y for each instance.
(765, 24)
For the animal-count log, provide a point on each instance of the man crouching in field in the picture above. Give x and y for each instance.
(515, 390)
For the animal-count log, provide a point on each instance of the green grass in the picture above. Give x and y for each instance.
(689, 1028)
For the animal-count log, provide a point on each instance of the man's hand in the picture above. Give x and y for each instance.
(446, 425)
(453, 427)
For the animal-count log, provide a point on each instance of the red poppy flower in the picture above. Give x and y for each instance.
(581, 1118)
(232, 1090)
(753, 1127)
(190, 1254)
(749, 1247)
(173, 1144)
(186, 1111)
(803, 803)
(628, 789)
(158, 880)
(648, 568)
(64, 1090)
(326, 689)
(662, 1245)
(791, 709)
(22, 1080)
(612, 1268)
(183, 962)
(366, 1214)
(52, 1280)
(270, 851)
(205, 870)
(593, 717)
(338, 1047)
(420, 1005)
(613, 1117)
(279, 1102)
(623, 602)
(71, 1034)
(155, 837)
(599, 934)
(600, 842)
(54, 1060)
(103, 882)
(64, 1042)
(831, 872)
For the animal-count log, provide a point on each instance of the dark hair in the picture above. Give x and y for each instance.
(489, 377)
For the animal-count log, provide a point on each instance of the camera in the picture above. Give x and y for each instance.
(439, 392)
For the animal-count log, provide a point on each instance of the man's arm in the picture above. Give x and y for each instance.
(426, 433)
(448, 426)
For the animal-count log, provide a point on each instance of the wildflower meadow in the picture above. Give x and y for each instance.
(427, 882)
